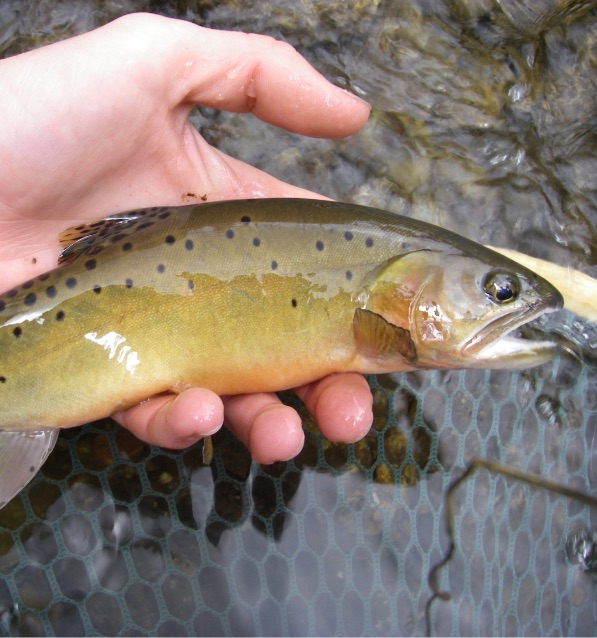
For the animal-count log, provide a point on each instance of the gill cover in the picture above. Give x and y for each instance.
(459, 309)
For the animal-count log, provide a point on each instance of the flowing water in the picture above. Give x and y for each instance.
(484, 122)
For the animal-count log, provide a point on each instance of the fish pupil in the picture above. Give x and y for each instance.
(501, 287)
(504, 294)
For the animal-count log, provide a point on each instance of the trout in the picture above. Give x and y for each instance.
(242, 297)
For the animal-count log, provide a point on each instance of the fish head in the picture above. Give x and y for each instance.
(460, 308)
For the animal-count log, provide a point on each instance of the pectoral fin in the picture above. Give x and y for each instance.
(21, 456)
(377, 338)
(208, 450)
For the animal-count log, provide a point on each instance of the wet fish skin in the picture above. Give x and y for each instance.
(251, 296)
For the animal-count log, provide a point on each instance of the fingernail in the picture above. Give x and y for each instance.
(214, 429)
(193, 438)
(356, 98)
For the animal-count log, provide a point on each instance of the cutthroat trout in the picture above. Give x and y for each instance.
(249, 296)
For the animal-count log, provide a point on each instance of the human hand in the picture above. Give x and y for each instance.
(99, 124)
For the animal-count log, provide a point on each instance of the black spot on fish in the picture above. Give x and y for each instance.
(60, 315)
(189, 244)
(229, 233)
(93, 224)
(27, 285)
(161, 268)
(144, 225)
(274, 265)
(256, 241)
(348, 235)
(51, 292)
(191, 284)
(71, 282)
(90, 264)
(97, 289)
(369, 242)
(30, 299)
(170, 239)
(348, 275)
(294, 303)
(17, 332)
(128, 283)
(2, 379)
(31, 469)
(117, 238)
(94, 250)
(245, 219)
(45, 276)
(11, 293)
(127, 246)
(164, 215)
(319, 245)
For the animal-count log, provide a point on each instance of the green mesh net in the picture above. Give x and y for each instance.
(117, 538)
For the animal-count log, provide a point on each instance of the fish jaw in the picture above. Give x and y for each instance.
(494, 345)
(516, 354)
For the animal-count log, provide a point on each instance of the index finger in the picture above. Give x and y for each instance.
(243, 73)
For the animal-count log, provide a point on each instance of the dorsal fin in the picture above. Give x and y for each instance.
(80, 238)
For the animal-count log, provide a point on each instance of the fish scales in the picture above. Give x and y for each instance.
(146, 305)
(238, 297)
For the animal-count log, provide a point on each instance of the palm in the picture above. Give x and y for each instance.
(106, 130)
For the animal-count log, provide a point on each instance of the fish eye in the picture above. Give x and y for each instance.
(501, 287)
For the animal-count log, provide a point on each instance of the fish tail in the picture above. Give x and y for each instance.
(21, 456)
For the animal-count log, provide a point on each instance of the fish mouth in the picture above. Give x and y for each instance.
(494, 343)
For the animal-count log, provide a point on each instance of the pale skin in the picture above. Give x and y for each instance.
(98, 124)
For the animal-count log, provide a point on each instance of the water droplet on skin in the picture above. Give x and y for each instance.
(234, 73)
